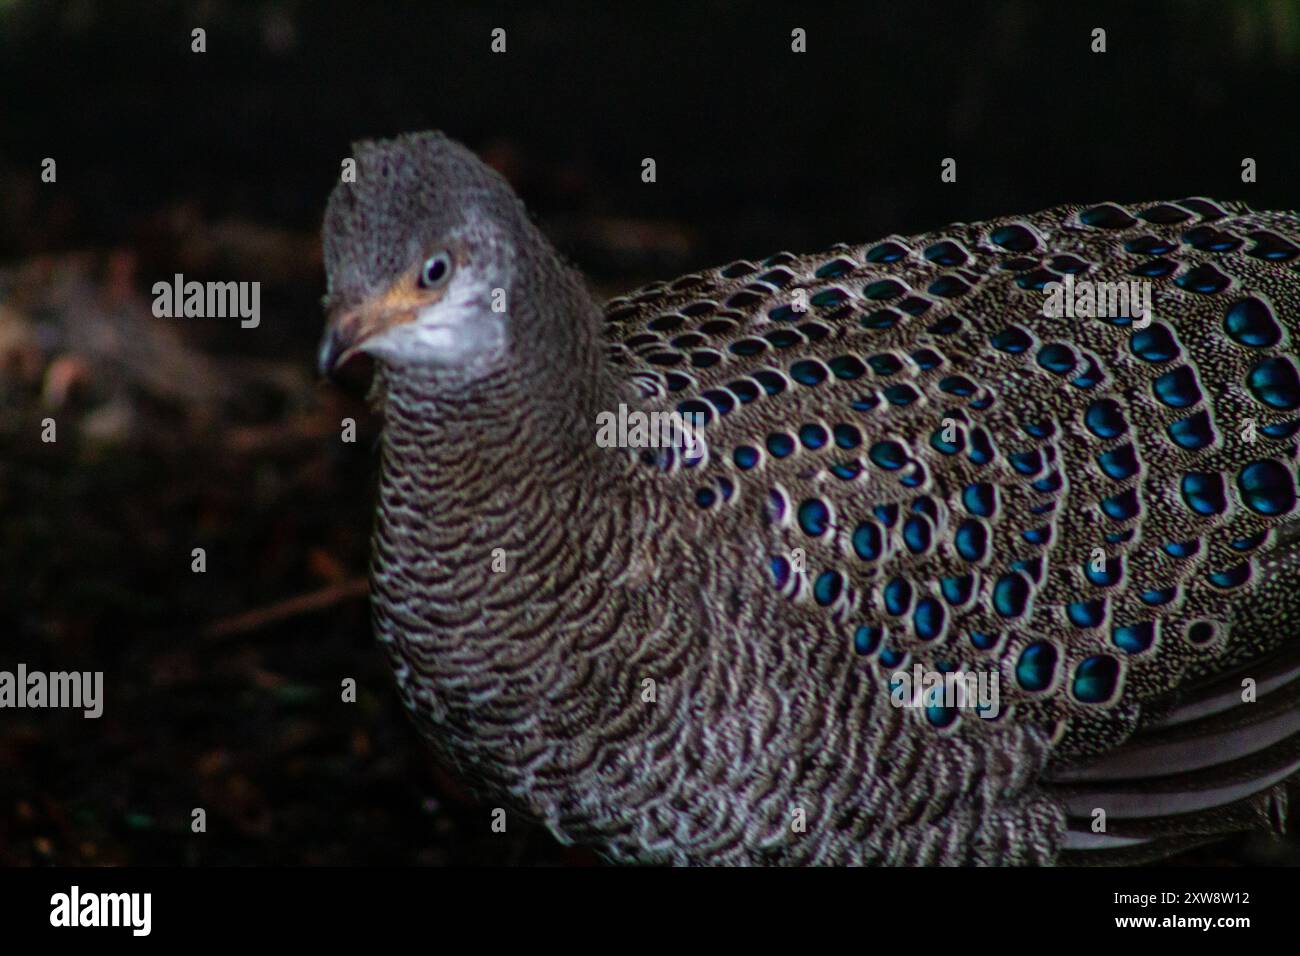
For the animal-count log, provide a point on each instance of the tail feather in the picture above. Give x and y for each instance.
(1175, 746)
(1210, 765)
(1226, 694)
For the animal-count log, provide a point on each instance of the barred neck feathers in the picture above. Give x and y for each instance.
(502, 533)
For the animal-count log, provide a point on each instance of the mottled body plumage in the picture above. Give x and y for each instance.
(921, 468)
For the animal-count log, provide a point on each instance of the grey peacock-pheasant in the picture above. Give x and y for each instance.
(920, 468)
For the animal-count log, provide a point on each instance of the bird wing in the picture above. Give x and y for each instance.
(1099, 511)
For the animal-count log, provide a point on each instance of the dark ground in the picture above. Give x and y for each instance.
(175, 434)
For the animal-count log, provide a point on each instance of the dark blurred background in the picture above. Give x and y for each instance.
(222, 689)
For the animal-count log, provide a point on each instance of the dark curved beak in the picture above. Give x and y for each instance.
(349, 324)
(346, 330)
(333, 346)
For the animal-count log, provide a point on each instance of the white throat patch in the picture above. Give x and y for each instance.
(459, 329)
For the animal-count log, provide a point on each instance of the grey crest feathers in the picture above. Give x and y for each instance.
(410, 192)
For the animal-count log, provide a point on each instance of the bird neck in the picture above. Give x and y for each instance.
(486, 444)
(502, 537)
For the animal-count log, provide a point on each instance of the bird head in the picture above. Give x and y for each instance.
(431, 260)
